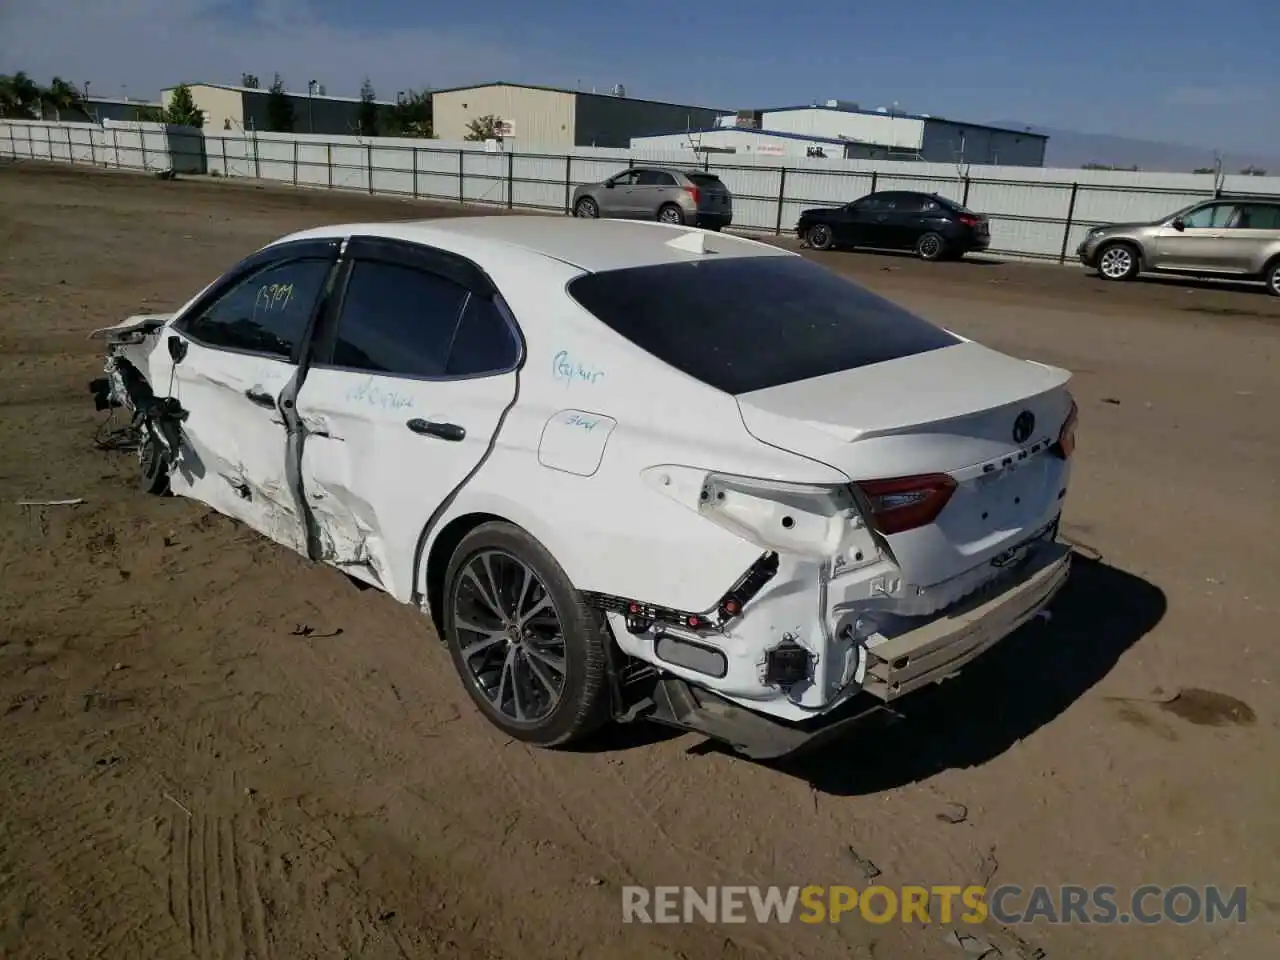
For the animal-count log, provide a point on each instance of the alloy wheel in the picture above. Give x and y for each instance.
(1115, 263)
(510, 636)
(930, 246)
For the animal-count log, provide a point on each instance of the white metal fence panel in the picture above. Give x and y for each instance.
(1033, 211)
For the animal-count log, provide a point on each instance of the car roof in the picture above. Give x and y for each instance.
(590, 245)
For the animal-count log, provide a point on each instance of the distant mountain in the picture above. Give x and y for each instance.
(1071, 149)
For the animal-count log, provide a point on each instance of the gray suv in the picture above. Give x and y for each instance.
(666, 194)
(1236, 237)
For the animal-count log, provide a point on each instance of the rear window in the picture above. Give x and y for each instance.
(748, 323)
(705, 179)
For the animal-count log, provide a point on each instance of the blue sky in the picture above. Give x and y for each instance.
(1200, 73)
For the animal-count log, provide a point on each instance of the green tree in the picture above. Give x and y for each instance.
(411, 116)
(280, 116)
(484, 128)
(60, 95)
(182, 109)
(367, 118)
(19, 97)
(250, 80)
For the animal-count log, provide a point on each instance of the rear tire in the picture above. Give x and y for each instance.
(670, 213)
(931, 246)
(1271, 275)
(820, 237)
(1117, 262)
(536, 665)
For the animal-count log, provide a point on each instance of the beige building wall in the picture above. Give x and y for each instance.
(540, 118)
(218, 105)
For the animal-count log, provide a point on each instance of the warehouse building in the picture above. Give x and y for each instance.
(920, 136)
(550, 118)
(227, 107)
(98, 109)
(752, 142)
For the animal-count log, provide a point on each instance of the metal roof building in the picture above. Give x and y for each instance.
(229, 107)
(918, 136)
(553, 118)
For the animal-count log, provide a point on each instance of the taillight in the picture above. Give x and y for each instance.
(969, 221)
(695, 193)
(905, 503)
(1066, 444)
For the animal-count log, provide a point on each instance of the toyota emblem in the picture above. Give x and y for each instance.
(1023, 425)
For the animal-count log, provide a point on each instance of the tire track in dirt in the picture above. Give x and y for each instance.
(213, 894)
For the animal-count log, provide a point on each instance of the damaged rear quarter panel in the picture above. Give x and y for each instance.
(609, 530)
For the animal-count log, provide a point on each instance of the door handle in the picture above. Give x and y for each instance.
(445, 431)
(261, 399)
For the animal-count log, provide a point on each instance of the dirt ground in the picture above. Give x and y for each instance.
(211, 748)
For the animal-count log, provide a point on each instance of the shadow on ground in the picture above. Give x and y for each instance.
(1019, 686)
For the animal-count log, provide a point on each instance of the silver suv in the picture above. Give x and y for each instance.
(666, 194)
(1237, 237)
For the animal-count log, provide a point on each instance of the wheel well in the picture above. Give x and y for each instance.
(1131, 245)
(441, 552)
(1270, 265)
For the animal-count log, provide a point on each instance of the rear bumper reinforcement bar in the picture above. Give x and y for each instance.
(938, 650)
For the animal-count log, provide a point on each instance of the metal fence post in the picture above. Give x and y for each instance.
(368, 165)
(568, 179)
(1066, 230)
(93, 151)
(257, 160)
(71, 152)
(875, 175)
(328, 162)
(782, 196)
(142, 142)
(462, 195)
(223, 142)
(415, 172)
(295, 163)
(965, 201)
(511, 164)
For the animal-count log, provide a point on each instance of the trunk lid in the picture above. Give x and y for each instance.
(951, 411)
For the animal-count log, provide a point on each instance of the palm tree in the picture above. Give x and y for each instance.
(61, 95)
(19, 97)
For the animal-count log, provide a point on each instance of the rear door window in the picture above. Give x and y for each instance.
(397, 320)
(1259, 216)
(748, 323)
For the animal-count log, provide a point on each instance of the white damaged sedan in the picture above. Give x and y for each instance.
(629, 470)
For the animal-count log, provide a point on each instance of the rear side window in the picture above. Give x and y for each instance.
(397, 320)
(749, 323)
(709, 180)
(484, 342)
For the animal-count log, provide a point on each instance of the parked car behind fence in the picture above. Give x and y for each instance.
(1226, 238)
(667, 194)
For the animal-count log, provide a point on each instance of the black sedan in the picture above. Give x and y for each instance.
(934, 227)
